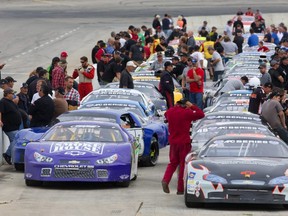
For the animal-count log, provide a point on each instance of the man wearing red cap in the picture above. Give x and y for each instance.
(86, 74)
(63, 55)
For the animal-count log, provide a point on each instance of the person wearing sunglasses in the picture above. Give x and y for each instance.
(86, 74)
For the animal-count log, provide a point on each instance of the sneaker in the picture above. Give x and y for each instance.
(7, 158)
(165, 187)
(180, 193)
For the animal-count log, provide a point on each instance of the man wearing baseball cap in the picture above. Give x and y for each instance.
(166, 85)
(10, 81)
(278, 78)
(126, 80)
(63, 55)
(179, 120)
(265, 78)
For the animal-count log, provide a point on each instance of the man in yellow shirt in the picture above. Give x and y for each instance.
(207, 55)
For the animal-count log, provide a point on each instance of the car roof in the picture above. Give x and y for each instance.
(87, 111)
(114, 101)
(124, 90)
(100, 123)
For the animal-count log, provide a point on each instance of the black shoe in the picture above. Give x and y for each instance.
(7, 158)
(165, 187)
(180, 193)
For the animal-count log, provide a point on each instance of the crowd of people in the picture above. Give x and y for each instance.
(35, 105)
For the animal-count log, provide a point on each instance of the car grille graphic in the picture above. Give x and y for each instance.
(85, 173)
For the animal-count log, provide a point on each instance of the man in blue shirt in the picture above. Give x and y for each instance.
(253, 39)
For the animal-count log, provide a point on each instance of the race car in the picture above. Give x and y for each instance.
(84, 152)
(234, 105)
(117, 93)
(151, 136)
(226, 116)
(206, 132)
(150, 90)
(250, 169)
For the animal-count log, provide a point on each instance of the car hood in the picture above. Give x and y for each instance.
(79, 149)
(260, 169)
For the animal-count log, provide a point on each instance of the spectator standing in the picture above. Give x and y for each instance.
(191, 40)
(58, 76)
(205, 25)
(230, 48)
(158, 64)
(60, 104)
(102, 66)
(185, 85)
(10, 120)
(166, 85)
(42, 110)
(36, 96)
(137, 53)
(63, 55)
(100, 51)
(24, 101)
(162, 46)
(10, 81)
(166, 25)
(110, 46)
(238, 23)
(195, 54)
(278, 77)
(239, 40)
(54, 63)
(274, 36)
(156, 22)
(86, 75)
(95, 50)
(126, 80)
(265, 76)
(195, 77)
(32, 87)
(179, 120)
(216, 63)
(249, 12)
(72, 96)
(34, 75)
(253, 39)
(113, 71)
(204, 48)
(213, 34)
(203, 32)
(4, 85)
(258, 97)
(262, 48)
(228, 29)
(272, 112)
(268, 36)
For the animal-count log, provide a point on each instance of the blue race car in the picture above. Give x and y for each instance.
(87, 151)
(151, 136)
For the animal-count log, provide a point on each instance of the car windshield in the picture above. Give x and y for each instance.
(231, 107)
(245, 148)
(67, 117)
(125, 107)
(150, 91)
(133, 97)
(84, 133)
(232, 97)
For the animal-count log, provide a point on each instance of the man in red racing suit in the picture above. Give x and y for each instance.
(179, 120)
(86, 75)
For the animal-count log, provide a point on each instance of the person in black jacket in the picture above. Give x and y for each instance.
(167, 85)
(42, 110)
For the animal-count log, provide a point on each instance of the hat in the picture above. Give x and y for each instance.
(131, 64)
(24, 85)
(9, 91)
(262, 65)
(39, 69)
(10, 79)
(194, 60)
(175, 58)
(268, 84)
(64, 54)
(60, 90)
(274, 62)
(167, 63)
(3, 81)
(182, 101)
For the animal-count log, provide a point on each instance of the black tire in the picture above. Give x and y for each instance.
(19, 166)
(33, 183)
(123, 184)
(152, 158)
(134, 178)
(285, 206)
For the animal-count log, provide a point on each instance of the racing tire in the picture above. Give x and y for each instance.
(19, 166)
(152, 158)
(123, 184)
(134, 178)
(33, 183)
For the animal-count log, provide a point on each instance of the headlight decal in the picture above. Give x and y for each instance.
(107, 160)
(41, 158)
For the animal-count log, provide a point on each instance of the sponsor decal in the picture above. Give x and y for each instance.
(76, 148)
(73, 162)
(74, 153)
(191, 175)
(46, 172)
(73, 166)
(247, 174)
(245, 162)
(28, 175)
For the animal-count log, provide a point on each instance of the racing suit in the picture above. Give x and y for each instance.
(179, 123)
(86, 76)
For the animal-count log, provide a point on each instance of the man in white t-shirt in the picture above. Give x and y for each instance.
(216, 63)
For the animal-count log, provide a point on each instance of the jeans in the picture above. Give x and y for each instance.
(283, 133)
(186, 94)
(216, 75)
(196, 98)
(11, 136)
